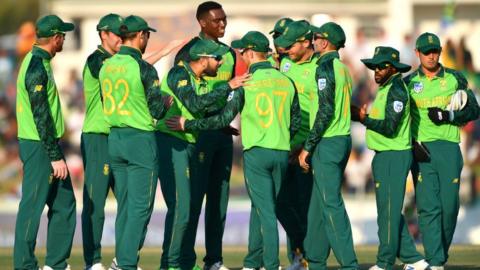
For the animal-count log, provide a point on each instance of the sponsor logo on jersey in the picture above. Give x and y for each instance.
(418, 87)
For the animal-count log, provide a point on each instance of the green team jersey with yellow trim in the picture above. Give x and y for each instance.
(437, 91)
(39, 112)
(303, 75)
(94, 118)
(388, 124)
(131, 91)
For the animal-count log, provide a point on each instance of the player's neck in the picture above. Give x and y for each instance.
(431, 72)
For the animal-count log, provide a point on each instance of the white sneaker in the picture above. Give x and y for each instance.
(298, 262)
(375, 267)
(215, 266)
(46, 267)
(420, 265)
(97, 266)
(436, 267)
(114, 266)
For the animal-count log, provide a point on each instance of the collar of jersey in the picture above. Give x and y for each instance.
(37, 51)
(130, 51)
(102, 50)
(190, 71)
(259, 65)
(440, 73)
(328, 56)
(309, 60)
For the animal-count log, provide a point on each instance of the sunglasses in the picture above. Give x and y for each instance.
(382, 66)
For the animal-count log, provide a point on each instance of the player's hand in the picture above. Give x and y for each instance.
(167, 101)
(239, 81)
(176, 123)
(302, 159)
(358, 114)
(438, 116)
(294, 153)
(174, 44)
(60, 170)
(231, 131)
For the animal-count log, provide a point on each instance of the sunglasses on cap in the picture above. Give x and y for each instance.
(217, 58)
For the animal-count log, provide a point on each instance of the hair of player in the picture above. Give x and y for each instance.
(205, 7)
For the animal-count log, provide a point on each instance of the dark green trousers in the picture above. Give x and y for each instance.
(174, 173)
(40, 188)
(293, 203)
(265, 171)
(211, 167)
(97, 181)
(390, 171)
(328, 161)
(134, 162)
(436, 187)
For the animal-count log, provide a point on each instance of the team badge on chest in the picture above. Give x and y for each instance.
(322, 83)
(286, 67)
(418, 87)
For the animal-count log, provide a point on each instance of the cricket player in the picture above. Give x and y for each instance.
(436, 124)
(270, 116)
(131, 101)
(98, 177)
(212, 159)
(46, 179)
(328, 144)
(388, 134)
(300, 65)
(187, 85)
(276, 58)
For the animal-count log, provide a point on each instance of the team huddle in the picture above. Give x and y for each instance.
(295, 111)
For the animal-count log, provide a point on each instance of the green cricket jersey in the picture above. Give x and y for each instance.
(270, 113)
(303, 75)
(131, 91)
(39, 113)
(330, 108)
(191, 98)
(94, 118)
(437, 91)
(388, 124)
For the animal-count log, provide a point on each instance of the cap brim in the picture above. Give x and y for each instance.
(271, 32)
(221, 50)
(428, 48)
(151, 29)
(282, 42)
(66, 27)
(237, 44)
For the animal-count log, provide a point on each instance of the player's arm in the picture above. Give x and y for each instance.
(397, 99)
(223, 118)
(155, 101)
(36, 82)
(295, 115)
(179, 81)
(325, 76)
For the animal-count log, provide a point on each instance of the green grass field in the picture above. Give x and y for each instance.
(461, 257)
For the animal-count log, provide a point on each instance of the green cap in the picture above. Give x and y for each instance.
(280, 25)
(331, 32)
(136, 24)
(386, 55)
(110, 23)
(50, 25)
(295, 31)
(252, 40)
(206, 48)
(427, 42)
